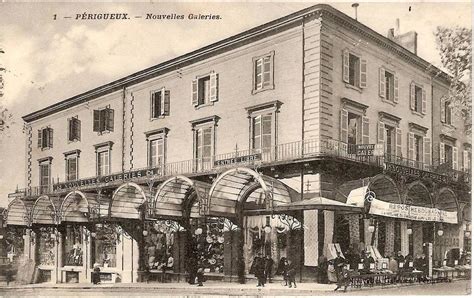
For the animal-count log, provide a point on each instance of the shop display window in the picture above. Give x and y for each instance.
(45, 246)
(208, 246)
(14, 243)
(105, 245)
(159, 244)
(72, 246)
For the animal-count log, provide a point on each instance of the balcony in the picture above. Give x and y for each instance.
(293, 152)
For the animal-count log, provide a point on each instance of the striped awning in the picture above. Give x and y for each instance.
(79, 206)
(127, 200)
(180, 197)
(250, 189)
(18, 213)
(44, 211)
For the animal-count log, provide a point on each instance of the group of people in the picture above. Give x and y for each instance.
(262, 268)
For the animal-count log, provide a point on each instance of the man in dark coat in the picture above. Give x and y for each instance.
(341, 273)
(268, 268)
(259, 269)
(323, 269)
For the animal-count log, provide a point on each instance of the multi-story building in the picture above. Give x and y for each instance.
(304, 132)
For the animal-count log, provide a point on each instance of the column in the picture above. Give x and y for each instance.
(85, 276)
(56, 273)
(404, 238)
(328, 230)
(389, 237)
(367, 235)
(417, 238)
(354, 228)
(130, 259)
(311, 238)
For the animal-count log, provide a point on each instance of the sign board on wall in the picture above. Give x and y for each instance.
(412, 212)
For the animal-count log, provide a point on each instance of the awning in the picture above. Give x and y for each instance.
(79, 206)
(315, 203)
(18, 213)
(127, 201)
(44, 211)
(178, 197)
(246, 186)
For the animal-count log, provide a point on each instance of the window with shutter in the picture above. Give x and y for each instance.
(427, 152)
(354, 70)
(45, 176)
(71, 167)
(442, 154)
(96, 125)
(424, 104)
(74, 129)
(412, 97)
(455, 158)
(365, 130)
(395, 89)
(161, 102)
(263, 72)
(466, 160)
(345, 66)
(166, 106)
(363, 73)
(194, 93)
(50, 137)
(380, 133)
(110, 119)
(382, 80)
(443, 109)
(344, 126)
(411, 146)
(214, 83)
(399, 143)
(40, 138)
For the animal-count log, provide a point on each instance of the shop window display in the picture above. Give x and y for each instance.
(159, 244)
(45, 246)
(105, 245)
(208, 246)
(73, 246)
(14, 243)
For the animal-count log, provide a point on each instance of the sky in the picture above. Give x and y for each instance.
(48, 60)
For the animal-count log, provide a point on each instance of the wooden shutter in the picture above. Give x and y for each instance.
(395, 89)
(40, 138)
(96, 126)
(110, 119)
(381, 133)
(442, 157)
(78, 128)
(455, 158)
(451, 112)
(382, 82)
(161, 104)
(344, 126)
(166, 106)
(399, 143)
(465, 162)
(412, 97)
(365, 130)
(213, 87)
(363, 73)
(153, 105)
(345, 66)
(427, 151)
(443, 109)
(267, 71)
(411, 146)
(70, 128)
(50, 137)
(194, 93)
(423, 102)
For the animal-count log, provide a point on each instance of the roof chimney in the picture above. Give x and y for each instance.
(408, 40)
(355, 5)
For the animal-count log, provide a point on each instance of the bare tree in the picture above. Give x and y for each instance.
(454, 45)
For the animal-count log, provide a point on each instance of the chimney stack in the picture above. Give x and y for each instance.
(408, 40)
(355, 5)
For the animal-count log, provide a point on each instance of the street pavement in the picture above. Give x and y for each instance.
(461, 287)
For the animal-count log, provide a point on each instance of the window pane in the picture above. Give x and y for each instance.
(207, 139)
(354, 65)
(353, 128)
(267, 124)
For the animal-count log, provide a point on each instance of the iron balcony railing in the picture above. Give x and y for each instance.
(293, 151)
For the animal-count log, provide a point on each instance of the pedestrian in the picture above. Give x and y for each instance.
(200, 274)
(323, 269)
(291, 273)
(96, 274)
(393, 264)
(268, 268)
(282, 269)
(259, 269)
(341, 272)
(192, 269)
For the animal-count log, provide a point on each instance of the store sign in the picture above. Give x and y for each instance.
(238, 159)
(410, 212)
(106, 179)
(365, 149)
(420, 174)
